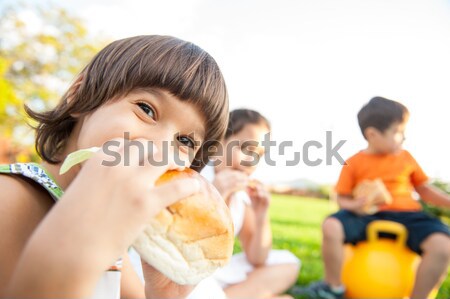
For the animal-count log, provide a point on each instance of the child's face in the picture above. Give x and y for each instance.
(175, 127)
(243, 148)
(389, 141)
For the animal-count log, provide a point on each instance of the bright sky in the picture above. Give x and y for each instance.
(309, 66)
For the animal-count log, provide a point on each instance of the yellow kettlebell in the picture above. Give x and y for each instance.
(379, 267)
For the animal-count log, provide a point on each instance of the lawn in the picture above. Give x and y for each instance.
(296, 226)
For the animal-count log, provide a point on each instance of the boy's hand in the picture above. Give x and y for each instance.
(229, 181)
(159, 286)
(357, 205)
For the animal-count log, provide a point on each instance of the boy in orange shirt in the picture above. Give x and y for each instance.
(382, 124)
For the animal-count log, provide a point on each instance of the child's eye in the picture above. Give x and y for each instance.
(186, 141)
(147, 109)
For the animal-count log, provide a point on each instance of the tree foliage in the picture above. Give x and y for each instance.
(441, 213)
(41, 50)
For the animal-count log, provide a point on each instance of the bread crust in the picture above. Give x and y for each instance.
(190, 239)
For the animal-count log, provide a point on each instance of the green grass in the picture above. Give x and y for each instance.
(296, 223)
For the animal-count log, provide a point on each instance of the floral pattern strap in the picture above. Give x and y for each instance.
(36, 173)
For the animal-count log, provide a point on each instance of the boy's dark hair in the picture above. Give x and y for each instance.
(239, 118)
(381, 113)
(141, 62)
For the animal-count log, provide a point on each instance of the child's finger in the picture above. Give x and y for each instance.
(116, 145)
(260, 190)
(234, 177)
(148, 159)
(171, 192)
(361, 198)
(111, 152)
(235, 180)
(264, 194)
(139, 152)
(127, 152)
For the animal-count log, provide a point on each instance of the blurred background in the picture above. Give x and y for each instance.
(308, 65)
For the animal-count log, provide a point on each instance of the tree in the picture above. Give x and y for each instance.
(41, 50)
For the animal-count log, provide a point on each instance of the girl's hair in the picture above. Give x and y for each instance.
(148, 61)
(239, 118)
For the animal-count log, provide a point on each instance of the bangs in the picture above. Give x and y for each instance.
(140, 62)
(179, 67)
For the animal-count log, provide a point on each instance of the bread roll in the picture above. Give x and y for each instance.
(375, 192)
(190, 239)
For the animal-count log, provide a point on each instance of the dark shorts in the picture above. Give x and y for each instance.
(419, 225)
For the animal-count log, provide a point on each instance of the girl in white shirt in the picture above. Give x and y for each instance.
(258, 271)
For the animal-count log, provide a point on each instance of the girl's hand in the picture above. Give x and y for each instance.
(99, 216)
(159, 286)
(115, 194)
(260, 198)
(229, 181)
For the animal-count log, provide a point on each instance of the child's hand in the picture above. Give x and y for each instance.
(159, 286)
(99, 216)
(229, 181)
(106, 207)
(123, 197)
(260, 198)
(358, 205)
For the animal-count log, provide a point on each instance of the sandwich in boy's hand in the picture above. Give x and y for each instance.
(375, 192)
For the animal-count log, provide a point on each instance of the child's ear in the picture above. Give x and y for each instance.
(73, 89)
(370, 133)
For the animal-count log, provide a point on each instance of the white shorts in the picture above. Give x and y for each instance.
(235, 272)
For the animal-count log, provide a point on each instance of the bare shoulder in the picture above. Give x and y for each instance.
(23, 205)
(23, 199)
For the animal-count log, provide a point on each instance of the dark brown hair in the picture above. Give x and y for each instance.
(149, 61)
(239, 118)
(381, 113)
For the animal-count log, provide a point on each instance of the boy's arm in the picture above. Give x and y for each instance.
(433, 195)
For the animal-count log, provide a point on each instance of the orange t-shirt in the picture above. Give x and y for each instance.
(399, 172)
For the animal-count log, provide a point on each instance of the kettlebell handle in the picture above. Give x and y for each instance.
(384, 226)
